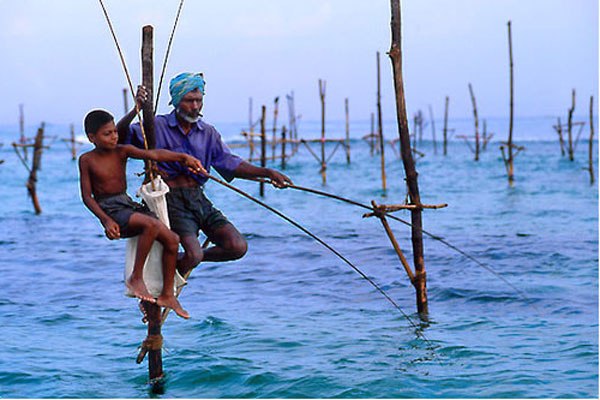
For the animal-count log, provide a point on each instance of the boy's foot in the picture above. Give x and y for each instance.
(172, 303)
(138, 287)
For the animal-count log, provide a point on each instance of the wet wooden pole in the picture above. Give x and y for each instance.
(263, 147)
(510, 168)
(379, 127)
(347, 131)
(476, 122)
(322, 86)
(35, 165)
(395, 53)
(275, 111)
(73, 144)
(125, 102)
(591, 145)
(446, 126)
(561, 141)
(22, 139)
(570, 127)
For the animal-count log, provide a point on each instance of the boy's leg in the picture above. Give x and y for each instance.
(170, 242)
(147, 228)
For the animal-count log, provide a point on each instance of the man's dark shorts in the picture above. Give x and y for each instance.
(120, 207)
(190, 211)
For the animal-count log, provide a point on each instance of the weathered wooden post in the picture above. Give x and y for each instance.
(22, 139)
(263, 147)
(125, 103)
(275, 110)
(510, 168)
(432, 129)
(570, 127)
(372, 136)
(561, 141)
(283, 147)
(395, 54)
(322, 85)
(476, 123)
(591, 146)
(446, 126)
(35, 165)
(347, 132)
(379, 126)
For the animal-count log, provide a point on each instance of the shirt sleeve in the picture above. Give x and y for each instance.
(222, 159)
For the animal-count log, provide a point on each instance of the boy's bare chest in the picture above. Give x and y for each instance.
(108, 168)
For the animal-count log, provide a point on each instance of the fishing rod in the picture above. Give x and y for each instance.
(431, 235)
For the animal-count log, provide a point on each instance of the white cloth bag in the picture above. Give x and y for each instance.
(153, 274)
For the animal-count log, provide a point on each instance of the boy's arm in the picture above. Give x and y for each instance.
(162, 155)
(123, 124)
(110, 226)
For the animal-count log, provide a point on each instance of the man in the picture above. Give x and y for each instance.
(190, 211)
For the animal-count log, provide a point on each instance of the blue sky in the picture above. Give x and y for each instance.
(58, 57)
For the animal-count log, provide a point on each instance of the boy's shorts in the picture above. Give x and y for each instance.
(190, 211)
(120, 207)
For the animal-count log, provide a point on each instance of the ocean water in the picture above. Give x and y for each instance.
(290, 320)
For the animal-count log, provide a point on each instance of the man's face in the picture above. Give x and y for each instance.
(190, 106)
(106, 137)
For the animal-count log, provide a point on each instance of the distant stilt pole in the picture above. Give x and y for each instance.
(484, 136)
(591, 147)
(283, 147)
(22, 139)
(446, 126)
(420, 280)
(511, 177)
(379, 126)
(322, 86)
(570, 127)
(347, 132)
(251, 128)
(73, 144)
(37, 158)
(372, 137)
(125, 105)
(275, 110)
(263, 147)
(476, 122)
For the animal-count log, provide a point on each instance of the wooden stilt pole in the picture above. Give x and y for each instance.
(22, 139)
(432, 130)
(560, 137)
(322, 86)
(275, 110)
(591, 146)
(407, 159)
(73, 144)
(35, 165)
(379, 127)
(347, 131)
(283, 147)
(251, 128)
(263, 147)
(446, 126)
(570, 128)
(510, 168)
(372, 136)
(476, 122)
(125, 96)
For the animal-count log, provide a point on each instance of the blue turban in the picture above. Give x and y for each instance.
(183, 84)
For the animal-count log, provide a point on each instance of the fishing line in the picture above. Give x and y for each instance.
(164, 67)
(486, 267)
(306, 231)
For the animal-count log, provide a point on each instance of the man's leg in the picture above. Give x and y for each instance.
(192, 255)
(229, 244)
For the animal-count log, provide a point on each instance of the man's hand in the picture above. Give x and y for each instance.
(278, 179)
(141, 96)
(194, 165)
(111, 229)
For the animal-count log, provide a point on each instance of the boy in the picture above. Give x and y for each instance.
(103, 190)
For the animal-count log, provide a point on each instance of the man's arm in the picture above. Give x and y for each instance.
(111, 228)
(162, 155)
(247, 170)
(123, 124)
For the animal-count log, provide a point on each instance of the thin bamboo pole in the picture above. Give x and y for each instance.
(275, 111)
(591, 146)
(570, 127)
(476, 122)
(446, 126)
(263, 146)
(322, 85)
(420, 281)
(347, 131)
(511, 174)
(379, 127)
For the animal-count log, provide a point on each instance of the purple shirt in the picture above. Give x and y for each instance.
(202, 141)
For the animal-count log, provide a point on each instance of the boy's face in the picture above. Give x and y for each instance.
(106, 137)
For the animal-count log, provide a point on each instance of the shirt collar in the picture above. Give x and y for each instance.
(172, 121)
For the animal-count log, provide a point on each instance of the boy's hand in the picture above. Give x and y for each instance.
(111, 229)
(141, 96)
(194, 165)
(278, 179)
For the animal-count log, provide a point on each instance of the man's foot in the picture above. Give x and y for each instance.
(138, 287)
(172, 303)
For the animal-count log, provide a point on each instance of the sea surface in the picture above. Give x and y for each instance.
(290, 319)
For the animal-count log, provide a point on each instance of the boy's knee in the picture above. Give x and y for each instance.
(172, 242)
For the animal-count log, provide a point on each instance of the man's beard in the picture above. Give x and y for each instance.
(188, 117)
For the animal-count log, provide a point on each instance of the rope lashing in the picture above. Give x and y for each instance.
(152, 342)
